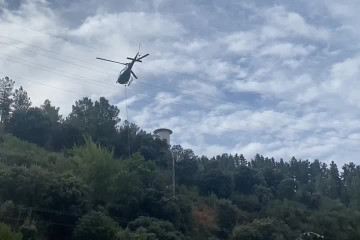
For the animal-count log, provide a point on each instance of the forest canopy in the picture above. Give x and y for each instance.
(71, 177)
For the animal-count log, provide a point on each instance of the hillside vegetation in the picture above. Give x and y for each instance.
(72, 178)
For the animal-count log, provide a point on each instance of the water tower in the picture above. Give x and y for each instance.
(163, 133)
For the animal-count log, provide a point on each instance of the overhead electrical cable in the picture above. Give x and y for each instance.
(44, 68)
(170, 102)
(159, 87)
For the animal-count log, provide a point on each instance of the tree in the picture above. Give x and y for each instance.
(95, 226)
(263, 229)
(51, 111)
(334, 190)
(24, 185)
(272, 177)
(82, 114)
(187, 169)
(242, 160)
(21, 100)
(264, 194)
(62, 135)
(97, 167)
(154, 229)
(226, 216)
(244, 179)
(31, 125)
(245, 232)
(287, 188)
(214, 181)
(65, 193)
(6, 91)
(98, 120)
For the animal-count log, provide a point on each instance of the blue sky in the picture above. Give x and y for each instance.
(279, 78)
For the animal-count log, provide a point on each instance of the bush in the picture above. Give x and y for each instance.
(95, 226)
(7, 234)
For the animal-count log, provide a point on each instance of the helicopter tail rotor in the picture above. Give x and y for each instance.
(133, 74)
(139, 59)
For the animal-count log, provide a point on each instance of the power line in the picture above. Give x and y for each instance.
(52, 211)
(222, 127)
(54, 58)
(49, 51)
(152, 85)
(52, 35)
(99, 71)
(78, 77)
(62, 89)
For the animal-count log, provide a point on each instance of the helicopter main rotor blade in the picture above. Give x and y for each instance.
(133, 74)
(111, 61)
(137, 60)
(143, 56)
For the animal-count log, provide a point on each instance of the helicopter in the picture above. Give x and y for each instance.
(125, 75)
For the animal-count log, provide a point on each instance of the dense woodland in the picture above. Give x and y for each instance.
(72, 178)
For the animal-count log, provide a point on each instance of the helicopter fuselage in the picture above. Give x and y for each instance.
(125, 74)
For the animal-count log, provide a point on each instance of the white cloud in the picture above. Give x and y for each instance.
(285, 92)
(294, 24)
(242, 42)
(286, 50)
(343, 81)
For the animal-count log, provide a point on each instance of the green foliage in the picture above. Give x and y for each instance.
(14, 152)
(98, 119)
(31, 125)
(21, 100)
(29, 230)
(97, 167)
(226, 216)
(24, 185)
(51, 112)
(54, 191)
(248, 203)
(65, 193)
(7, 234)
(244, 179)
(262, 229)
(154, 229)
(94, 226)
(287, 188)
(187, 168)
(214, 181)
(334, 180)
(6, 99)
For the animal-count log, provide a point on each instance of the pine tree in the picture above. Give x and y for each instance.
(6, 91)
(21, 100)
(51, 111)
(334, 181)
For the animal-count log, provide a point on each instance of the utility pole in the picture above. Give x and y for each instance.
(173, 171)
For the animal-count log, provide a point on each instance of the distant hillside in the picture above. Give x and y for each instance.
(73, 178)
(87, 192)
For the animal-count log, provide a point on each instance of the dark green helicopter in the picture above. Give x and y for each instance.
(125, 76)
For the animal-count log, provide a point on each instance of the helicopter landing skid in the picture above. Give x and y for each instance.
(131, 79)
